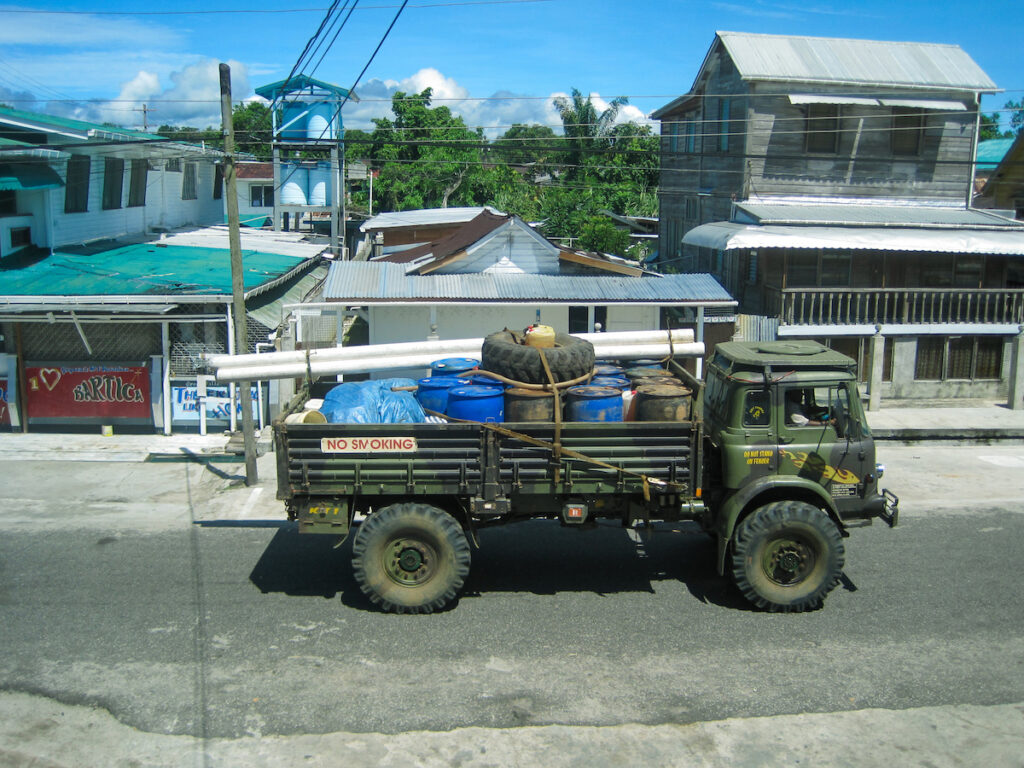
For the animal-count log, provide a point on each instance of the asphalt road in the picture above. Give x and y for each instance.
(137, 588)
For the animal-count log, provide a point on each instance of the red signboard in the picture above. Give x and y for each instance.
(70, 391)
(5, 409)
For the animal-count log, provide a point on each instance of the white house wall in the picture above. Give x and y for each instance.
(509, 250)
(164, 207)
(391, 324)
(245, 208)
(632, 318)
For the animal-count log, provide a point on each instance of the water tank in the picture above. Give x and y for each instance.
(297, 130)
(322, 124)
(320, 184)
(294, 185)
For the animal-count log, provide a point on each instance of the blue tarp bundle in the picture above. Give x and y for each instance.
(372, 402)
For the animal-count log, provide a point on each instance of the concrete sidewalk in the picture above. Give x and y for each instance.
(49, 446)
(898, 420)
(960, 420)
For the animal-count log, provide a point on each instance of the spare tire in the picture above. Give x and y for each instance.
(570, 358)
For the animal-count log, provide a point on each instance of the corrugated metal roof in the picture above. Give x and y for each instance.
(142, 269)
(375, 282)
(868, 62)
(726, 236)
(991, 152)
(76, 126)
(300, 82)
(871, 215)
(424, 217)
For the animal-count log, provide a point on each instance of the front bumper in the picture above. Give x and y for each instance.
(890, 514)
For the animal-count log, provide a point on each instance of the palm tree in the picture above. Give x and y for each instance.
(584, 128)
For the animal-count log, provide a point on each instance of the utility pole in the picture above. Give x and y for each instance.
(145, 116)
(237, 286)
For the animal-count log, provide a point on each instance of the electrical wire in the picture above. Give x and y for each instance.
(251, 11)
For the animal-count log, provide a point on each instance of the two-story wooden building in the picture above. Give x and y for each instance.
(826, 183)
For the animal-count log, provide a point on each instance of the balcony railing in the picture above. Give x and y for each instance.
(869, 306)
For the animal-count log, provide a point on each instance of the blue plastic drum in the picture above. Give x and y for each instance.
(453, 366)
(644, 363)
(432, 392)
(619, 382)
(590, 403)
(485, 381)
(476, 402)
(608, 369)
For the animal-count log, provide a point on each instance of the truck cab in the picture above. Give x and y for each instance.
(788, 412)
(785, 425)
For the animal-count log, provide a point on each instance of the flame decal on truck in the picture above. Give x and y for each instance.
(829, 473)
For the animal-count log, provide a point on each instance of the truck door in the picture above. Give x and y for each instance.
(822, 439)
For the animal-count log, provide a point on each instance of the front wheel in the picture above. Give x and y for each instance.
(787, 556)
(410, 558)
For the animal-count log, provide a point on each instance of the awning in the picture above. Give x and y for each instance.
(269, 313)
(15, 176)
(944, 106)
(831, 98)
(727, 236)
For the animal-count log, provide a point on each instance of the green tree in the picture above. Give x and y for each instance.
(1016, 109)
(428, 158)
(990, 129)
(600, 234)
(252, 126)
(535, 146)
(586, 130)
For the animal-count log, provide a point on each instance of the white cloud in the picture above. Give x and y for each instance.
(193, 98)
(81, 31)
(495, 113)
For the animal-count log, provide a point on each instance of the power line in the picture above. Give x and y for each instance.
(452, 99)
(253, 11)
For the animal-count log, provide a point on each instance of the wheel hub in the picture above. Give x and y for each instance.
(409, 562)
(788, 562)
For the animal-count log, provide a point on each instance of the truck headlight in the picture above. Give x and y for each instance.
(879, 471)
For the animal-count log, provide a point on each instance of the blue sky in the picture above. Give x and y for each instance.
(96, 64)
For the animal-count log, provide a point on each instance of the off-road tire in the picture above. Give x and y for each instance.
(570, 358)
(410, 558)
(787, 556)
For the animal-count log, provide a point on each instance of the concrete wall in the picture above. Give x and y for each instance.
(904, 386)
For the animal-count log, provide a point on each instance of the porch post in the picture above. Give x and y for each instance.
(1015, 401)
(877, 363)
(700, 339)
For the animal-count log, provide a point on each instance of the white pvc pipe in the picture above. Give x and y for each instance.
(439, 348)
(423, 360)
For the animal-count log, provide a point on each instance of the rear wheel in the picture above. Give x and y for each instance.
(410, 558)
(787, 556)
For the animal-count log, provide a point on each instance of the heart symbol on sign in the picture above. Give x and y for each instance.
(49, 377)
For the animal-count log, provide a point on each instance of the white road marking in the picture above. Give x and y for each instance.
(1004, 461)
(246, 510)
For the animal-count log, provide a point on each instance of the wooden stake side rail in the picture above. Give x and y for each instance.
(486, 461)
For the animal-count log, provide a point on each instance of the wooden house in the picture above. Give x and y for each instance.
(826, 183)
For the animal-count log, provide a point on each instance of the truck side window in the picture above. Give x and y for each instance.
(805, 407)
(756, 410)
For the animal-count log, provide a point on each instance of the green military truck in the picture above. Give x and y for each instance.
(776, 463)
